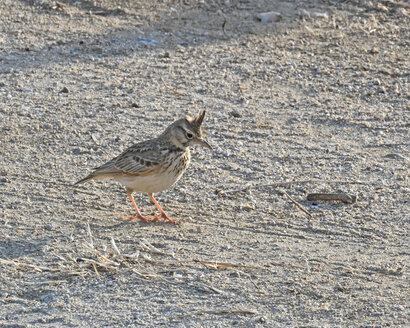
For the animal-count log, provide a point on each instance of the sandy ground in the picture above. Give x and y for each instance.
(320, 97)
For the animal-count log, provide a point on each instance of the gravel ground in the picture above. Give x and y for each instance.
(318, 97)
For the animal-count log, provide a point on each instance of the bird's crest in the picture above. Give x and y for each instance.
(196, 121)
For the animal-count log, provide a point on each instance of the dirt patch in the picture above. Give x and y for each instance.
(319, 96)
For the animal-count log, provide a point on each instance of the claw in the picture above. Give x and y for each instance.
(165, 217)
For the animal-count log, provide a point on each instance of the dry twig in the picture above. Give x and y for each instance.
(345, 198)
(220, 13)
(21, 265)
(212, 288)
(297, 204)
(114, 246)
(90, 235)
(224, 265)
(148, 247)
(172, 89)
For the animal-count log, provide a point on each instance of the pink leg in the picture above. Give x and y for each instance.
(163, 215)
(139, 215)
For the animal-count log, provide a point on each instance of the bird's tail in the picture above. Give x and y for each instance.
(106, 171)
(86, 179)
(97, 175)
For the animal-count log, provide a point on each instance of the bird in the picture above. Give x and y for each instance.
(154, 165)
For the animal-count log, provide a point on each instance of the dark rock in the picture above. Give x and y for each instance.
(236, 114)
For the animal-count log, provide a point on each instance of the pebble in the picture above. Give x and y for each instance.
(263, 319)
(320, 15)
(76, 151)
(48, 227)
(271, 16)
(304, 13)
(97, 49)
(236, 114)
(64, 90)
(396, 156)
(147, 42)
(248, 207)
(373, 83)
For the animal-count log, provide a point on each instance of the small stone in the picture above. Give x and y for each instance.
(396, 156)
(374, 50)
(98, 50)
(382, 8)
(271, 16)
(304, 13)
(147, 42)
(319, 15)
(236, 114)
(48, 227)
(263, 319)
(403, 12)
(64, 90)
(243, 100)
(248, 207)
(76, 151)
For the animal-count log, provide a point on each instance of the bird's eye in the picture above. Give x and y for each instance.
(189, 135)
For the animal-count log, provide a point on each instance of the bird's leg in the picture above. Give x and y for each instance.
(139, 215)
(163, 215)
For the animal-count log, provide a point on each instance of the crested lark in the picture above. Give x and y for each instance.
(154, 165)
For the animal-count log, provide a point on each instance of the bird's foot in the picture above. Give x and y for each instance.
(164, 217)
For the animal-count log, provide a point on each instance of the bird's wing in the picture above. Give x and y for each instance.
(139, 159)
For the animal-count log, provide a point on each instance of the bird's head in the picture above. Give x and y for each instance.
(187, 132)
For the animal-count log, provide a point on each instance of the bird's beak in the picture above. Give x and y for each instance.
(202, 143)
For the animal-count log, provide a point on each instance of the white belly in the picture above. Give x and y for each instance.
(156, 182)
